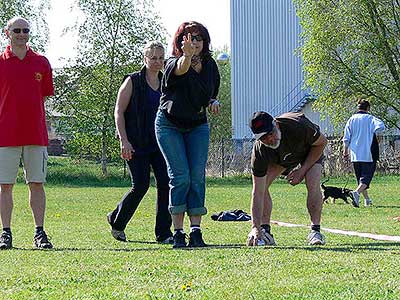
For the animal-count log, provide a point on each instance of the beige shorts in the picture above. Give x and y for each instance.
(34, 161)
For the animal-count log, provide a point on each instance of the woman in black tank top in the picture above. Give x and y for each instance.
(135, 112)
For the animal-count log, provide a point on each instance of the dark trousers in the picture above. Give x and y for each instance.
(364, 171)
(139, 169)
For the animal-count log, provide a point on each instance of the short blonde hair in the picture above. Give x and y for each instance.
(153, 45)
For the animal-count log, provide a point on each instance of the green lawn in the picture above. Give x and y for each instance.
(87, 263)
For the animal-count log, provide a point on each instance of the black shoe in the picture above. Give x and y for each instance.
(196, 239)
(119, 235)
(168, 240)
(41, 241)
(179, 240)
(5, 240)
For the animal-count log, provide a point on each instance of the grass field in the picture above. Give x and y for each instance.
(87, 263)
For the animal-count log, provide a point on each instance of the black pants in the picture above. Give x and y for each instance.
(139, 169)
(364, 171)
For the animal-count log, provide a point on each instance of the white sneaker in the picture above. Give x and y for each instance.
(355, 198)
(316, 238)
(367, 202)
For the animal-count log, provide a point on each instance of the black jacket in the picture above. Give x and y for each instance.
(137, 112)
(185, 98)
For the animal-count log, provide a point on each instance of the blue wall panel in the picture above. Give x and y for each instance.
(266, 73)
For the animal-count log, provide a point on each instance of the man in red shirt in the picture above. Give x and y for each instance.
(25, 81)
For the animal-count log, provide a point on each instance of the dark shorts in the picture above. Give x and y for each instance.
(364, 172)
(320, 161)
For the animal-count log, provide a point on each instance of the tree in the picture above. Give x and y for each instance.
(351, 48)
(221, 125)
(35, 12)
(111, 39)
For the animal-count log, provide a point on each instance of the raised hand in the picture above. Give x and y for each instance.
(187, 46)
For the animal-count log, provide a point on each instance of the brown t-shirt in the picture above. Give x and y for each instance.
(298, 134)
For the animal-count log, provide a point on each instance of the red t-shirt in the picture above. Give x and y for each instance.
(23, 86)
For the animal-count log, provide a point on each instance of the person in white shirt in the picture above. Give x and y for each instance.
(361, 144)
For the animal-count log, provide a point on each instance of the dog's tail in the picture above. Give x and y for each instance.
(324, 181)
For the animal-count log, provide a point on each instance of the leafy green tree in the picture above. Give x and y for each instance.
(35, 12)
(351, 48)
(111, 39)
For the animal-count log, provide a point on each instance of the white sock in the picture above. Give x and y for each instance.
(194, 228)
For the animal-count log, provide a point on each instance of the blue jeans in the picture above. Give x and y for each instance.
(185, 152)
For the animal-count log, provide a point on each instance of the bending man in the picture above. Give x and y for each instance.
(293, 145)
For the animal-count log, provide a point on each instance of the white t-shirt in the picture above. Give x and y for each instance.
(358, 135)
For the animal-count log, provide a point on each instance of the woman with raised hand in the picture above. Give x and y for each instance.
(189, 87)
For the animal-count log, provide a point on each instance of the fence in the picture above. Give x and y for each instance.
(232, 157)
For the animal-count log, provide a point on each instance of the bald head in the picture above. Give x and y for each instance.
(17, 21)
(17, 31)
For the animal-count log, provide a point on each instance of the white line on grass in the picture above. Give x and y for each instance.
(380, 237)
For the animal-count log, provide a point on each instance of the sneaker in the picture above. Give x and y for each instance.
(41, 241)
(5, 240)
(316, 238)
(179, 240)
(196, 239)
(119, 235)
(367, 202)
(168, 240)
(355, 199)
(268, 238)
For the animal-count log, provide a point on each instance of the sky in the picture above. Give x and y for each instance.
(214, 14)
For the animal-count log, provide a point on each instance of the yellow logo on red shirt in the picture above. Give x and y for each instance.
(38, 76)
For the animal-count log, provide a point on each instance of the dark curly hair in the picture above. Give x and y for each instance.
(191, 27)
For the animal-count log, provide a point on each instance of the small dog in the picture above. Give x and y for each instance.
(336, 193)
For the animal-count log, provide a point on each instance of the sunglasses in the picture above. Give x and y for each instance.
(198, 38)
(18, 30)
